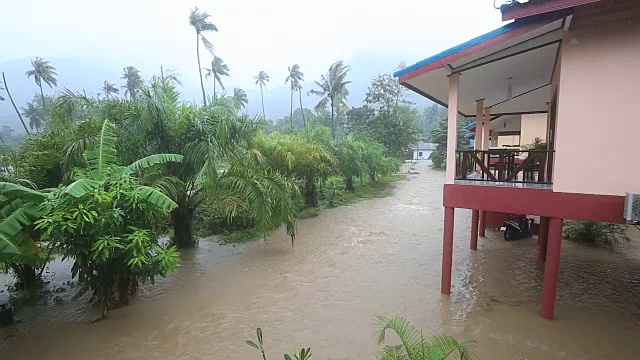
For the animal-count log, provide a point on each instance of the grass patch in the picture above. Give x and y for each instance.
(240, 237)
(307, 213)
(383, 187)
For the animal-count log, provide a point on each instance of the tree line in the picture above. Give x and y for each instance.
(102, 178)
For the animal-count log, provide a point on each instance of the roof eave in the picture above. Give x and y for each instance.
(519, 11)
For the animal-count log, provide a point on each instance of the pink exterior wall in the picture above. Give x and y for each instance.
(598, 122)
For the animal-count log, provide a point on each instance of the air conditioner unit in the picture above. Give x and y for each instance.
(632, 208)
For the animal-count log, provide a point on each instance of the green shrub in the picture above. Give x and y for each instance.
(596, 233)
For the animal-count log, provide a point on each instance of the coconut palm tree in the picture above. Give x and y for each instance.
(293, 79)
(262, 79)
(199, 21)
(109, 89)
(218, 69)
(134, 81)
(414, 346)
(43, 71)
(33, 113)
(333, 91)
(241, 97)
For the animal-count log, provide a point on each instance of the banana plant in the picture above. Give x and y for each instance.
(20, 207)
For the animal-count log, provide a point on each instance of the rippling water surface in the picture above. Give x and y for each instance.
(376, 256)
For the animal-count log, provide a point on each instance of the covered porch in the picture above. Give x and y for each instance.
(510, 72)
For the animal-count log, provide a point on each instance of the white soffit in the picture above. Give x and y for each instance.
(531, 35)
(528, 59)
(534, 101)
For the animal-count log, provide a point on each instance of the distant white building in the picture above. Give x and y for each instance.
(422, 152)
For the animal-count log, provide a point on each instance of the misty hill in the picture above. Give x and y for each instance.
(89, 74)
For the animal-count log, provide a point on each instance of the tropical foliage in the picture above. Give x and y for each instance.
(294, 79)
(413, 345)
(218, 69)
(596, 233)
(133, 80)
(332, 91)
(199, 20)
(42, 71)
(64, 192)
(261, 80)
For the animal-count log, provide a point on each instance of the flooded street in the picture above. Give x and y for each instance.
(349, 263)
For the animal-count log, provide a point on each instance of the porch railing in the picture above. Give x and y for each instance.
(504, 165)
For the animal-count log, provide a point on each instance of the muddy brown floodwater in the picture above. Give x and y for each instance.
(349, 263)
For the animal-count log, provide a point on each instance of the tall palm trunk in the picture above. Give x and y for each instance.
(6, 87)
(204, 97)
(262, 99)
(44, 104)
(214, 88)
(304, 121)
(333, 125)
(291, 116)
(182, 219)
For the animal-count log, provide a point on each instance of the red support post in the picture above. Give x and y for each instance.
(551, 269)
(447, 251)
(475, 214)
(543, 234)
(483, 223)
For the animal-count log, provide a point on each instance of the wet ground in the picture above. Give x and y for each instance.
(349, 263)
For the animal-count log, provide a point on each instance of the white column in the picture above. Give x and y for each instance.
(452, 129)
(477, 145)
(487, 125)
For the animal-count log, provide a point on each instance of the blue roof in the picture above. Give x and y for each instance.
(499, 31)
(470, 125)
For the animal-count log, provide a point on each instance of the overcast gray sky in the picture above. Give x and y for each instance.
(254, 34)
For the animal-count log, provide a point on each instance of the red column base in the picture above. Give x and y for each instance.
(551, 268)
(447, 251)
(543, 233)
(483, 223)
(475, 214)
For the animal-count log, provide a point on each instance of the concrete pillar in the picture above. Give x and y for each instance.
(487, 125)
(543, 233)
(483, 224)
(475, 215)
(479, 125)
(447, 251)
(452, 129)
(551, 267)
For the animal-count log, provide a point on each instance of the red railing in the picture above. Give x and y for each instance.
(518, 166)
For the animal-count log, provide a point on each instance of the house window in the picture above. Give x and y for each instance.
(420, 153)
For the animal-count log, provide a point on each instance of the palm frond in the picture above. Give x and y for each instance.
(81, 187)
(20, 218)
(104, 156)
(11, 190)
(7, 249)
(446, 346)
(152, 160)
(207, 44)
(156, 197)
(409, 336)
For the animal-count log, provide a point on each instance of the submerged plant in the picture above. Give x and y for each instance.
(596, 233)
(414, 346)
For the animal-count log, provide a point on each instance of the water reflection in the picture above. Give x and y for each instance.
(377, 256)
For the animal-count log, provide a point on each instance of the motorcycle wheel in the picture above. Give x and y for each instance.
(507, 235)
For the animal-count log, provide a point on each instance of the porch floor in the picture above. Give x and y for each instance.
(531, 185)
